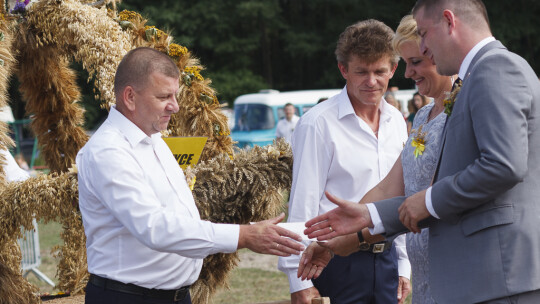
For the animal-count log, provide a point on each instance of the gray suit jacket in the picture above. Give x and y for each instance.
(486, 244)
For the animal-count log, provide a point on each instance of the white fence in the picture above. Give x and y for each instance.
(31, 257)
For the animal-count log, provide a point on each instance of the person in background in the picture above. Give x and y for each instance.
(145, 239)
(391, 100)
(286, 125)
(322, 99)
(346, 145)
(414, 105)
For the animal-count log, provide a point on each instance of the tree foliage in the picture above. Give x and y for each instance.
(248, 45)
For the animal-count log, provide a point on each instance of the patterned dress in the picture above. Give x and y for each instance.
(418, 173)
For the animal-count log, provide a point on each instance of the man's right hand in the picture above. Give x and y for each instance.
(347, 218)
(304, 296)
(268, 238)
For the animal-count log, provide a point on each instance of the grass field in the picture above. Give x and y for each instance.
(256, 280)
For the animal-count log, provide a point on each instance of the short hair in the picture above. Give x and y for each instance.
(288, 104)
(370, 40)
(138, 64)
(406, 31)
(473, 12)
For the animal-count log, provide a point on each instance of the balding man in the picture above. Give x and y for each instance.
(145, 239)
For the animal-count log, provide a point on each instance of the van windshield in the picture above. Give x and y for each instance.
(250, 117)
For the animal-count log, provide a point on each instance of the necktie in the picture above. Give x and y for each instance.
(458, 83)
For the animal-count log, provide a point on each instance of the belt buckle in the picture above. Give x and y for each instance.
(179, 295)
(378, 248)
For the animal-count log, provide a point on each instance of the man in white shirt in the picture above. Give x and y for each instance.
(286, 125)
(346, 145)
(145, 239)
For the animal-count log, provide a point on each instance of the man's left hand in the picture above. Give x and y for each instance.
(404, 288)
(313, 261)
(413, 210)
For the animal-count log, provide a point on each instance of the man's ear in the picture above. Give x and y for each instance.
(393, 70)
(129, 98)
(449, 19)
(343, 69)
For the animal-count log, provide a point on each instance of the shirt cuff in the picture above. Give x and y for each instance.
(226, 237)
(404, 265)
(378, 227)
(429, 204)
(295, 283)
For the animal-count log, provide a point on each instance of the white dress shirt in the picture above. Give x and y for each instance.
(336, 151)
(141, 223)
(285, 128)
(378, 226)
(13, 172)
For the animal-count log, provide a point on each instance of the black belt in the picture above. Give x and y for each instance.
(175, 295)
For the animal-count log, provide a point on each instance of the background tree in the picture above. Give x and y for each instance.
(248, 45)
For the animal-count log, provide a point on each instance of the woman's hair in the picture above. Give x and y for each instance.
(406, 31)
(412, 107)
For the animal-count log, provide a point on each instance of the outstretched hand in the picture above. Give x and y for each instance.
(347, 218)
(313, 261)
(268, 238)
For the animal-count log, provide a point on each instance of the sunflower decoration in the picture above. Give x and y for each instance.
(419, 141)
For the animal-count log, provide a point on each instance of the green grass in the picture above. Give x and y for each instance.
(252, 285)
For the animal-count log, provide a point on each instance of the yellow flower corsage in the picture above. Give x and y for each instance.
(419, 141)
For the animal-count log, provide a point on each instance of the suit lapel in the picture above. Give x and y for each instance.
(480, 54)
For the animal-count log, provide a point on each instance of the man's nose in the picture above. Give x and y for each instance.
(423, 47)
(173, 105)
(371, 80)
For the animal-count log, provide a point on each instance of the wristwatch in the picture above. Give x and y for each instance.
(362, 245)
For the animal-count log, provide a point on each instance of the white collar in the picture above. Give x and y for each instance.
(133, 134)
(468, 59)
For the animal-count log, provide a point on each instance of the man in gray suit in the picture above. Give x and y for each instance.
(483, 209)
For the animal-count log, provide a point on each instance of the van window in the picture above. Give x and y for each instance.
(306, 108)
(253, 117)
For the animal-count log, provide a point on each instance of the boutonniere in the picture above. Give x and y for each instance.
(451, 99)
(418, 141)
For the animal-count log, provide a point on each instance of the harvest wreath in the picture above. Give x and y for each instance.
(37, 45)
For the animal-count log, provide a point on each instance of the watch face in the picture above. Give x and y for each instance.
(364, 246)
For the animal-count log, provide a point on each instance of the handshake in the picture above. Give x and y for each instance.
(336, 231)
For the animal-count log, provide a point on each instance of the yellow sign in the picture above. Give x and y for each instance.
(186, 150)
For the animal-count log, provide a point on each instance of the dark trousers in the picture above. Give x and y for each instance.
(97, 295)
(360, 278)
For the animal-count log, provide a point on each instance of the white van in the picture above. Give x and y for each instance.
(256, 115)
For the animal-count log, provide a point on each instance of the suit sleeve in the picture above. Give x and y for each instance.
(499, 105)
